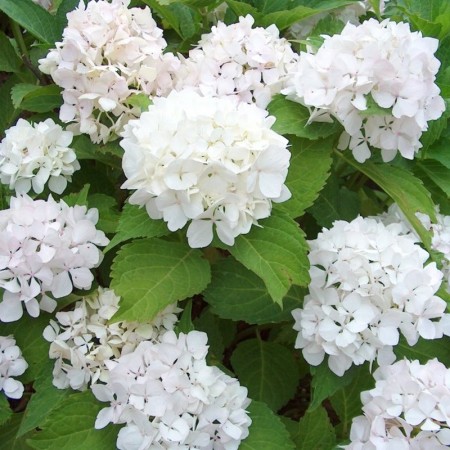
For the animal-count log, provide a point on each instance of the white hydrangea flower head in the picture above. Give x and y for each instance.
(238, 60)
(407, 409)
(168, 397)
(12, 364)
(372, 62)
(82, 339)
(108, 54)
(369, 284)
(32, 155)
(440, 230)
(210, 161)
(46, 248)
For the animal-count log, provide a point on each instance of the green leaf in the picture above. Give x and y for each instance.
(276, 252)
(346, 402)
(424, 350)
(28, 335)
(438, 173)
(266, 431)
(36, 98)
(404, 188)
(71, 425)
(9, 60)
(439, 152)
(325, 383)
(107, 154)
(284, 19)
(308, 171)
(237, 293)
(44, 400)
(263, 367)
(220, 333)
(8, 432)
(292, 118)
(134, 222)
(108, 211)
(142, 101)
(242, 9)
(150, 274)
(8, 112)
(5, 409)
(34, 19)
(335, 203)
(185, 324)
(314, 431)
(77, 198)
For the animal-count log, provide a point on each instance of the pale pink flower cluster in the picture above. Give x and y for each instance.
(210, 161)
(238, 60)
(12, 365)
(33, 154)
(369, 284)
(82, 339)
(169, 398)
(109, 53)
(407, 410)
(45, 248)
(377, 80)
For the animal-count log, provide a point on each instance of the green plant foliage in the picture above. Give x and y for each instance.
(5, 410)
(237, 293)
(9, 60)
(134, 222)
(267, 431)
(36, 98)
(74, 417)
(276, 252)
(150, 274)
(308, 171)
(47, 399)
(314, 430)
(404, 188)
(261, 366)
(8, 432)
(292, 118)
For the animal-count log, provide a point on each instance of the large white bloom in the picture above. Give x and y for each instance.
(82, 339)
(369, 283)
(384, 63)
(210, 161)
(407, 409)
(45, 248)
(32, 155)
(12, 365)
(238, 60)
(170, 398)
(108, 53)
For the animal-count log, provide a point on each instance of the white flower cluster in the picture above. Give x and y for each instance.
(12, 365)
(32, 155)
(83, 339)
(384, 63)
(208, 160)
(238, 60)
(407, 409)
(45, 247)
(369, 282)
(108, 54)
(169, 398)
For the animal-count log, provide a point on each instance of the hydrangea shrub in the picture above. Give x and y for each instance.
(224, 225)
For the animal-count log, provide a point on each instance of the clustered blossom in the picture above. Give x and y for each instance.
(168, 397)
(407, 409)
(109, 53)
(32, 155)
(374, 66)
(12, 365)
(46, 247)
(238, 60)
(83, 339)
(207, 160)
(369, 283)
